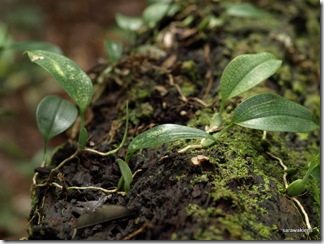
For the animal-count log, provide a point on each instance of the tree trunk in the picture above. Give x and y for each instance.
(236, 192)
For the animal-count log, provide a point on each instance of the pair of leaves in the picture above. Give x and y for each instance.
(268, 112)
(72, 79)
(54, 115)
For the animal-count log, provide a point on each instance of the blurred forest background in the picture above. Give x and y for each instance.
(78, 27)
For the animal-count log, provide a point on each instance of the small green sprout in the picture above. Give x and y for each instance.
(152, 14)
(114, 50)
(244, 72)
(72, 79)
(298, 186)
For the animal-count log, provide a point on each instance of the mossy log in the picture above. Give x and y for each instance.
(236, 192)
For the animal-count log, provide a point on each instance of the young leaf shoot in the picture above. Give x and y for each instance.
(114, 50)
(127, 176)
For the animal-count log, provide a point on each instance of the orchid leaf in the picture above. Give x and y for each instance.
(128, 23)
(114, 50)
(272, 112)
(246, 71)
(126, 174)
(54, 115)
(246, 10)
(165, 133)
(69, 75)
(104, 213)
(156, 11)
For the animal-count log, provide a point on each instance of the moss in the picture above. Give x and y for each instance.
(242, 226)
(203, 178)
(245, 182)
(202, 118)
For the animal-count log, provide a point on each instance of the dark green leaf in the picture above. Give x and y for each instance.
(102, 214)
(316, 161)
(296, 188)
(246, 71)
(314, 168)
(316, 172)
(54, 115)
(272, 112)
(83, 137)
(114, 50)
(69, 75)
(128, 23)
(165, 133)
(246, 10)
(291, 171)
(126, 174)
(156, 11)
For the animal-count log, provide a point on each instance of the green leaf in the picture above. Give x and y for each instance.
(128, 23)
(104, 213)
(314, 168)
(114, 50)
(316, 172)
(246, 10)
(246, 71)
(163, 134)
(69, 75)
(156, 11)
(272, 112)
(126, 174)
(54, 115)
(83, 137)
(296, 188)
(315, 162)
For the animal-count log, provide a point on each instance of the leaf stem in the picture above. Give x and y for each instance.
(104, 154)
(44, 152)
(205, 143)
